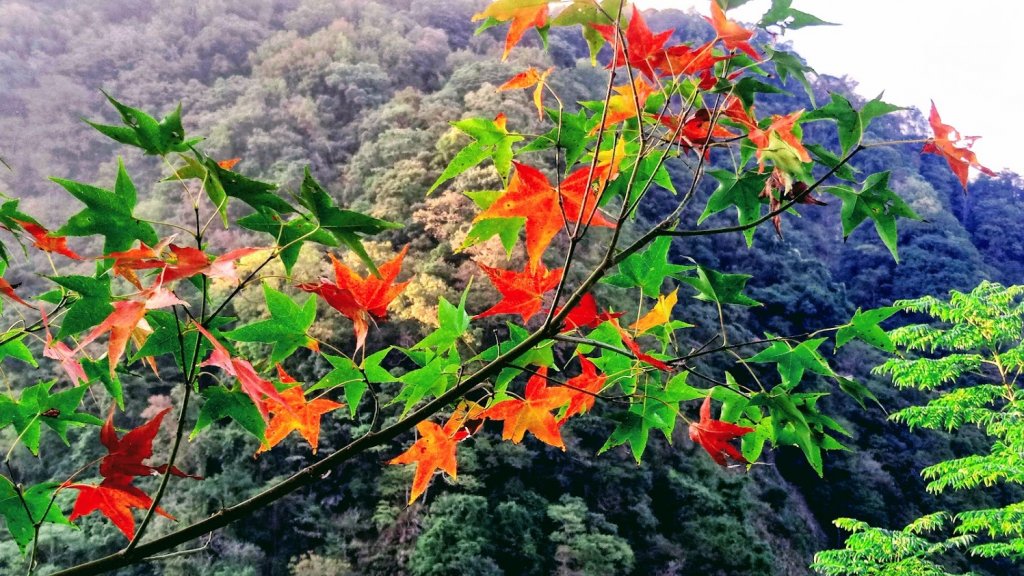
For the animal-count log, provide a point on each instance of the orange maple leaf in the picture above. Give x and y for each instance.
(530, 196)
(434, 450)
(189, 262)
(778, 143)
(127, 321)
(296, 414)
(522, 292)
(954, 147)
(731, 33)
(359, 298)
(630, 343)
(48, 242)
(533, 412)
(528, 79)
(696, 131)
(583, 389)
(714, 435)
(524, 14)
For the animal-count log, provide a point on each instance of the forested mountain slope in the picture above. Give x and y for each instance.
(361, 92)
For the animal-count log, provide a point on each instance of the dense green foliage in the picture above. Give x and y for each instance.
(362, 91)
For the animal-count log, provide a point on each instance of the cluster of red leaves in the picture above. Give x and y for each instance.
(116, 496)
(361, 298)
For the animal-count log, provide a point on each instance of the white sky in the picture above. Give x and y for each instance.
(965, 55)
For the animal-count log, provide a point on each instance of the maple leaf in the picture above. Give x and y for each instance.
(528, 79)
(128, 321)
(696, 132)
(297, 414)
(659, 315)
(48, 242)
(524, 14)
(253, 386)
(623, 105)
(359, 298)
(646, 49)
(954, 147)
(533, 412)
(779, 144)
(582, 189)
(113, 501)
(585, 314)
(123, 462)
(434, 450)
(126, 262)
(189, 262)
(714, 435)
(229, 163)
(7, 290)
(62, 353)
(583, 389)
(681, 59)
(734, 36)
(522, 292)
(530, 196)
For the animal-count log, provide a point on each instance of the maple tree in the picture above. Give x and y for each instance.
(576, 193)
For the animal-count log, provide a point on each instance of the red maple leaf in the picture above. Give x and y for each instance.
(583, 389)
(359, 298)
(734, 36)
(48, 242)
(714, 435)
(113, 501)
(7, 290)
(524, 15)
(62, 353)
(124, 461)
(297, 414)
(533, 412)
(640, 355)
(141, 258)
(696, 131)
(188, 262)
(253, 386)
(522, 292)
(646, 49)
(954, 147)
(681, 59)
(585, 314)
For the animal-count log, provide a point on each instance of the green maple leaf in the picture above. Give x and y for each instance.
(234, 404)
(453, 321)
(344, 373)
(742, 192)
(659, 410)
(571, 132)
(648, 269)
(792, 362)
(490, 140)
(285, 329)
(875, 201)
(865, 326)
(346, 226)
(434, 378)
(143, 131)
(36, 405)
(107, 213)
(91, 306)
(850, 122)
(506, 229)
(22, 512)
(714, 286)
(289, 235)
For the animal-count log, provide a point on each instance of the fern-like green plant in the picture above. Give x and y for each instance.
(969, 360)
